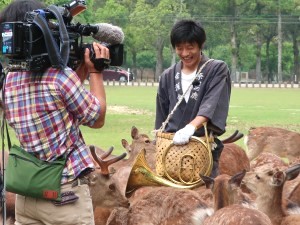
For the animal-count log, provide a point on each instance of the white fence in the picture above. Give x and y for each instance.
(235, 85)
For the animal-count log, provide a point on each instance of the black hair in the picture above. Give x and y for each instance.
(16, 10)
(189, 31)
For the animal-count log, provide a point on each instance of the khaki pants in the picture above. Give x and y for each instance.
(35, 211)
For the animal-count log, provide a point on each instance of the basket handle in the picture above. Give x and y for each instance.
(208, 140)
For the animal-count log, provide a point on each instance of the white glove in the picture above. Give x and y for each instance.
(182, 136)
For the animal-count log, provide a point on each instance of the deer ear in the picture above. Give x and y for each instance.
(134, 132)
(278, 178)
(209, 182)
(236, 180)
(125, 143)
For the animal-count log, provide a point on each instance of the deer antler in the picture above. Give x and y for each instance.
(292, 172)
(232, 138)
(105, 164)
(108, 153)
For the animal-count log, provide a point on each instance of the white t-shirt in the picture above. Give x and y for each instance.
(186, 80)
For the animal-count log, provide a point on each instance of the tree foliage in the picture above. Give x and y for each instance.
(243, 30)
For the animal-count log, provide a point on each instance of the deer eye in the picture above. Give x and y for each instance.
(270, 173)
(147, 141)
(112, 187)
(257, 177)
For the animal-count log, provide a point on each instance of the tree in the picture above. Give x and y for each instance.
(4, 3)
(153, 20)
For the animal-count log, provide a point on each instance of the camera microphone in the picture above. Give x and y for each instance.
(108, 33)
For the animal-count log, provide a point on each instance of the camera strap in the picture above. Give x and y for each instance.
(58, 57)
(51, 45)
(64, 36)
(3, 127)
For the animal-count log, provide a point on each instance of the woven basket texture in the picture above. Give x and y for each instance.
(181, 159)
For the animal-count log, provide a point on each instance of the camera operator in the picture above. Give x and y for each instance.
(45, 110)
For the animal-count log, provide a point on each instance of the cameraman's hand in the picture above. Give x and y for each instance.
(96, 80)
(100, 52)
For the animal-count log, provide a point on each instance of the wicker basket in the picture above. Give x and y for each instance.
(182, 163)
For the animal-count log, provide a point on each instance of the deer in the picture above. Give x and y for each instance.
(139, 142)
(281, 142)
(291, 188)
(104, 187)
(160, 206)
(267, 182)
(230, 152)
(237, 215)
(292, 201)
(237, 157)
(142, 141)
(268, 158)
(225, 189)
(229, 204)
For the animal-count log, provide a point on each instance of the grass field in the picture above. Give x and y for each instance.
(249, 107)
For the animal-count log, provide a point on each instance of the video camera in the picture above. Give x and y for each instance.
(38, 43)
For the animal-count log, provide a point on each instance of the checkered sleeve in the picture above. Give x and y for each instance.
(80, 102)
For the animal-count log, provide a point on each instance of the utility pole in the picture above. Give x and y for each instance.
(279, 43)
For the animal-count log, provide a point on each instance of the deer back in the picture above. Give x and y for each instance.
(237, 215)
(282, 142)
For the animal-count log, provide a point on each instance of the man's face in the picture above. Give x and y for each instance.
(189, 53)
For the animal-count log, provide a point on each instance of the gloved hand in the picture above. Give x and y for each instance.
(183, 135)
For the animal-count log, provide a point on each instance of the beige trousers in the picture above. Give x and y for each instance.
(35, 211)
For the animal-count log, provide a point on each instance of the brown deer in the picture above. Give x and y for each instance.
(104, 187)
(291, 193)
(225, 189)
(281, 142)
(230, 153)
(233, 159)
(291, 188)
(267, 182)
(160, 206)
(292, 201)
(268, 158)
(228, 204)
(237, 215)
(139, 142)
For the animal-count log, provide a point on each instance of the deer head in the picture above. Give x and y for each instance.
(105, 188)
(139, 142)
(224, 188)
(266, 182)
(266, 178)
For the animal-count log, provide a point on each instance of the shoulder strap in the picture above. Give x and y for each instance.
(3, 123)
(58, 57)
(64, 36)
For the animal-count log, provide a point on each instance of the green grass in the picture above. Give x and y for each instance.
(249, 107)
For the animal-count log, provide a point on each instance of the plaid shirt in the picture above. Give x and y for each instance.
(45, 112)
